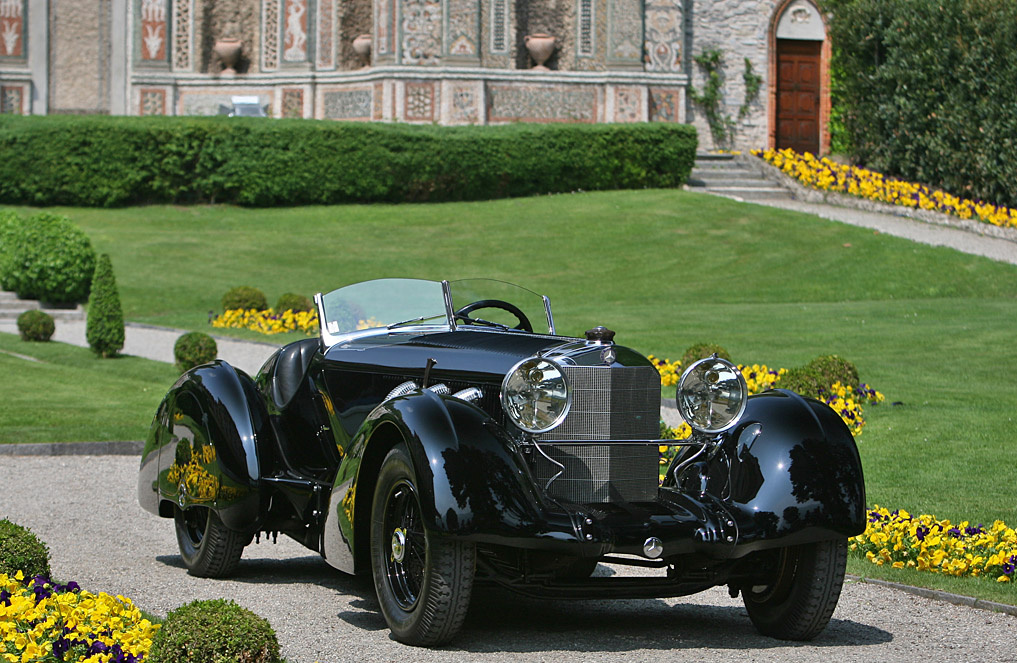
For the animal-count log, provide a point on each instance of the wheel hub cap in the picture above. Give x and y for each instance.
(398, 545)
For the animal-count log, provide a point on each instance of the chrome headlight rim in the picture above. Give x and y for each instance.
(509, 410)
(696, 371)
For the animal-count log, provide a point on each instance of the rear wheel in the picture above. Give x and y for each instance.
(208, 547)
(798, 603)
(423, 581)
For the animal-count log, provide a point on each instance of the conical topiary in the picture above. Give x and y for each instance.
(105, 329)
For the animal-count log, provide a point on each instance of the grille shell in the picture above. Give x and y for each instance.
(600, 451)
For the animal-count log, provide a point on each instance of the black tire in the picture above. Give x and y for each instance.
(799, 602)
(208, 547)
(423, 581)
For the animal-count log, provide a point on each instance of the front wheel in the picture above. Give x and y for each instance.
(798, 603)
(423, 581)
(208, 547)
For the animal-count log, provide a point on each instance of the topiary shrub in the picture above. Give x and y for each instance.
(832, 368)
(36, 325)
(10, 230)
(293, 302)
(244, 297)
(194, 349)
(52, 260)
(212, 631)
(21, 550)
(105, 328)
(702, 351)
(802, 380)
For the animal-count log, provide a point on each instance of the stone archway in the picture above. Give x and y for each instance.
(799, 108)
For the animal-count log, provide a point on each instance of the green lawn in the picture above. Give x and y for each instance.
(931, 328)
(52, 392)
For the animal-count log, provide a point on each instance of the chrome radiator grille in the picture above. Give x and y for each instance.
(598, 473)
(590, 458)
(611, 404)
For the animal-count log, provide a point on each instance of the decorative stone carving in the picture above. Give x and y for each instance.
(153, 102)
(270, 35)
(293, 102)
(12, 99)
(499, 26)
(295, 31)
(153, 30)
(12, 28)
(182, 27)
(421, 31)
(541, 47)
(353, 104)
(325, 47)
(419, 102)
(463, 31)
(625, 34)
(664, 27)
(540, 103)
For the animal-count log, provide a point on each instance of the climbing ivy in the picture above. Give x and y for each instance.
(710, 99)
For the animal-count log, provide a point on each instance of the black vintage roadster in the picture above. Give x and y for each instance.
(441, 434)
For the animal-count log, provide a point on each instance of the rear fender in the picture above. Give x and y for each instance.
(206, 446)
(471, 482)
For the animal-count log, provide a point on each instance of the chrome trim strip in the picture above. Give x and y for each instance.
(547, 310)
(446, 291)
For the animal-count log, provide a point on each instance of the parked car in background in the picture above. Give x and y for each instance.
(441, 433)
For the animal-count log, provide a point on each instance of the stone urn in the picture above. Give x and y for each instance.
(541, 47)
(228, 52)
(362, 47)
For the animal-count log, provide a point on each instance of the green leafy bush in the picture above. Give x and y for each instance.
(832, 368)
(51, 260)
(21, 550)
(702, 351)
(10, 229)
(924, 90)
(193, 349)
(105, 328)
(106, 161)
(36, 325)
(214, 631)
(802, 380)
(244, 297)
(293, 302)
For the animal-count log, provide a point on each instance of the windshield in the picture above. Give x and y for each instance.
(414, 303)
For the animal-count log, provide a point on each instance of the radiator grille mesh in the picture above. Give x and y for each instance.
(612, 404)
(599, 473)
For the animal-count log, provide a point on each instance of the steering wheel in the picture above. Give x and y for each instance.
(464, 314)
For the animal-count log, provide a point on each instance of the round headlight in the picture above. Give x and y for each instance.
(535, 395)
(712, 395)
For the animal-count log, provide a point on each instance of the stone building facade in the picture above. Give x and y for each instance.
(424, 61)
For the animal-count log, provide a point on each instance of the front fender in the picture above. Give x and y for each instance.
(471, 481)
(203, 447)
(794, 472)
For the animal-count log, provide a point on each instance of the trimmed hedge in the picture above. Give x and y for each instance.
(21, 550)
(98, 161)
(51, 260)
(214, 631)
(925, 89)
(35, 325)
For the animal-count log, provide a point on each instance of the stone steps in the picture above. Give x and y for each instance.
(734, 176)
(11, 307)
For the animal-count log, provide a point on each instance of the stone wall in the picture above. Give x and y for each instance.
(739, 29)
(79, 54)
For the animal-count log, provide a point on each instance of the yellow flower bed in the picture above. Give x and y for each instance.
(845, 401)
(45, 621)
(826, 175)
(268, 321)
(901, 540)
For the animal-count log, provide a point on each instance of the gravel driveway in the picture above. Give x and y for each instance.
(85, 509)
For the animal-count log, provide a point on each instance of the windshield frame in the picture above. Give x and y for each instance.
(441, 320)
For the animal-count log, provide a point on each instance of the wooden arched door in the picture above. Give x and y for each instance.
(798, 94)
